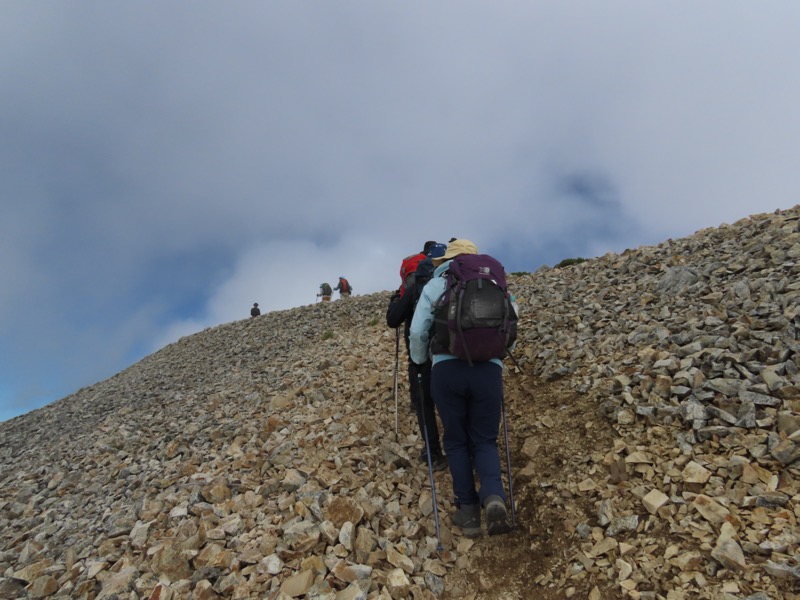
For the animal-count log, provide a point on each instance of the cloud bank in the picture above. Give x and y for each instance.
(164, 168)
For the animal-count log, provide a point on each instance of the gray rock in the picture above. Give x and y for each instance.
(677, 280)
(622, 524)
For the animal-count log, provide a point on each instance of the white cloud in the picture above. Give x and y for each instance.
(282, 275)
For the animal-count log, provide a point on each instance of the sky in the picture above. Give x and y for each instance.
(165, 164)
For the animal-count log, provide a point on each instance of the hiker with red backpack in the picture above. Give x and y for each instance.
(344, 287)
(415, 271)
(464, 323)
(408, 266)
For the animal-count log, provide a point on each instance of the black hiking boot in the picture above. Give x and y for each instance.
(468, 518)
(438, 460)
(496, 516)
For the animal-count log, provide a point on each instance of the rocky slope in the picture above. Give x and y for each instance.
(653, 439)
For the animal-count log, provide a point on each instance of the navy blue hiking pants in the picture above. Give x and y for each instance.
(469, 400)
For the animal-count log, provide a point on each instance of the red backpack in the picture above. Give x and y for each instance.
(407, 269)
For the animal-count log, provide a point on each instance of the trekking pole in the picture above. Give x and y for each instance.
(430, 462)
(396, 360)
(514, 360)
(508, 463)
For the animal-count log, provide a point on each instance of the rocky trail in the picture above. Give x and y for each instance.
(654, 439)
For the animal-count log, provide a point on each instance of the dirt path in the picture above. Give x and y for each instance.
(553, 433)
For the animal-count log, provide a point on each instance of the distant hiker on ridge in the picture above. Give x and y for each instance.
(325, 291)
(344, 287)
(255, 311)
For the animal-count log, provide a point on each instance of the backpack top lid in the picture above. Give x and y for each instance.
(465, 267)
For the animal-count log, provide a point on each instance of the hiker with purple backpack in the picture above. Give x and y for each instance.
(467, 376)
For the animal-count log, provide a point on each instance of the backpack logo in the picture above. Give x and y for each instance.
(474, 318)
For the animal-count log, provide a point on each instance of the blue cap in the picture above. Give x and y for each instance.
(436, 250)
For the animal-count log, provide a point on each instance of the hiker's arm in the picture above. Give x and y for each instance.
(423, 318)
(398, 309)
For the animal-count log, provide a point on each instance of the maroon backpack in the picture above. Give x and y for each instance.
(474, 319)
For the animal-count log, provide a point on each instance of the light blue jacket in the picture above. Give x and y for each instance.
(418, 335)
